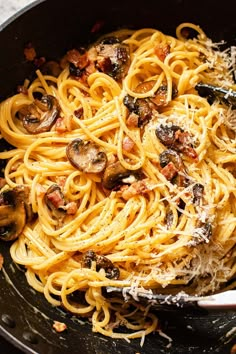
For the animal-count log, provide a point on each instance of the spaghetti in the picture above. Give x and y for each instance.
(131, 175)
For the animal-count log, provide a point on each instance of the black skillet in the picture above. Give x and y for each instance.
(53, 27)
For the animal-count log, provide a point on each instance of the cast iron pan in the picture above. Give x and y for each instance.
(53, 27)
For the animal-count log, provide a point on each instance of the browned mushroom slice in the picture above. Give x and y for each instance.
(113, 58)
(89, 257)
(140, 107)
(102, 262)
(159, 98)
(174, 137)
(41, 115)
(145, 86)
(86, 156)
(166, 134)
(12, 213)
(144, 107)
(115, 175)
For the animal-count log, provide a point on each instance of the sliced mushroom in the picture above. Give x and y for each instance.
(40, 116)
(89, 257)
(113, 58)
(115, 175)
(144, 107)
(110, 40)
(170, 155)
(166, 134)
(12, 213)
(177, 139)
(86, 156)
(102, 262)
(159, 98)
(140, 107)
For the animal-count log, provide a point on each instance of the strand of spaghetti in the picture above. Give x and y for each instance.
(136, 138)
(23, 259)
(111, 233)
(166, 71)
(73, 224)
(43, 79)
(157, 230)
(180, 28)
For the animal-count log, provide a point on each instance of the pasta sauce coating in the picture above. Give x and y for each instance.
(130, 175)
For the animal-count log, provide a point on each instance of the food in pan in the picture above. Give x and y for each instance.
(121, 174)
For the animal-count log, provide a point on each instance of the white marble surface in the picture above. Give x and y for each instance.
(9, 7)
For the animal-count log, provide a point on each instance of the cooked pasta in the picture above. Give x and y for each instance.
(129, 175)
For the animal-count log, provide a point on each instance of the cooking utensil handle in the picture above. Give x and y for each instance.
(222, 301)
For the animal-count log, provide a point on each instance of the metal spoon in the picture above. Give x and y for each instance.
(221, 301)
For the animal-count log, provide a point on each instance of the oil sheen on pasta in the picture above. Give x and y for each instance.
(167, 223)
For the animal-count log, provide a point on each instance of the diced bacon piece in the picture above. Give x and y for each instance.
(63, 124)
(71, 208)
(29, 52)
(132, 120)
(92, 54)
(136, 188)
(56, 199)
(169, 171)
(128, 144)
(182, 136)
(60, 125)
(79, 60)
(162, 50)
(59, 326)
(90, 68)
(184, 141)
